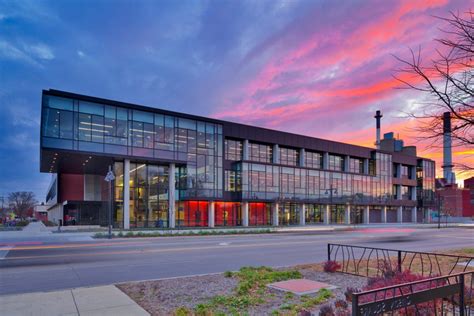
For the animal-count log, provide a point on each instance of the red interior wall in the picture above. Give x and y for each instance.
(71, 187)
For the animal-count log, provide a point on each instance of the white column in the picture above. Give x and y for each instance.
(367, 215)
(302, 157)
(275, 212)
(327, 214)
(171, 196)
(211, 214)
(400, 214)
(325, 160)
(413, 193)
(126, 194)
(399, 192)
(245, 149)
(348, 214)
(384, 214)
(276, 154)
(347, 159)
(366, 166)
(302, 214)
(414, 214)
(245, 214)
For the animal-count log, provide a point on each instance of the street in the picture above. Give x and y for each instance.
(51, 265)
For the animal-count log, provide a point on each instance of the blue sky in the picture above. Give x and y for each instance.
(260, 62)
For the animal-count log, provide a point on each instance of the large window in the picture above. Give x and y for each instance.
(94, 127)
(356, 165)
(336, 163)
(313, 160)
(260, 152)
(233, 149)
(260, 214)
(289, 156)
(192, 214)
(227, 214)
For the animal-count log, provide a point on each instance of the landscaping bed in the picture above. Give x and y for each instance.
(241, 293)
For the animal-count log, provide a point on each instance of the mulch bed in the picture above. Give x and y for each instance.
(163, 297)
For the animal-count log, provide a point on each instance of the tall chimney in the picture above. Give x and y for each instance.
(448, 174)
(378, 116)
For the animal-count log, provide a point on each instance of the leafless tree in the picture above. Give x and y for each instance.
(446, 82)
(21, 202)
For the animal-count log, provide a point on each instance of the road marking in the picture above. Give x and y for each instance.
(223, 244)
(4, 252)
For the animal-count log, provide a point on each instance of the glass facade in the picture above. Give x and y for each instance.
(289, 214)
(233, 150)
(148, 195)
(192, 214)
(270, 182)
(228, 214)
(97, 128)
(260, 214)
(260, 152)
(314, 213)
(313, 160)
(425, 181)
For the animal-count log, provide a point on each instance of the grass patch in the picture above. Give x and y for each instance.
(250, 291)
(306, 303)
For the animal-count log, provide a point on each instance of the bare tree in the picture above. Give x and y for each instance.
(21, 202)
(446, 82)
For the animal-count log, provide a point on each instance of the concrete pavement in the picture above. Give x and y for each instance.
(92, 301)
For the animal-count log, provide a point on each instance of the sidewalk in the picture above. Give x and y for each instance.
(101, 300)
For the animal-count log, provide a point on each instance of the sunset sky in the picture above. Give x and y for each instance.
(319, 68)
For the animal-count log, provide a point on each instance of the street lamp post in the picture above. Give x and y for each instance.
(109, 178)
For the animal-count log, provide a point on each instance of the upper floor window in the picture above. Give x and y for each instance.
(356, 165)
(314, 160)
(260, 152)
(336, 163)
(289, 156)
(233, 150)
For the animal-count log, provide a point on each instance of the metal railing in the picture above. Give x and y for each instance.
(372, 262)
(444, 295)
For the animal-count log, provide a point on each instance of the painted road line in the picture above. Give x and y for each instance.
(4, 252)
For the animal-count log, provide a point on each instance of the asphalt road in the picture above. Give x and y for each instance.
(45, 266)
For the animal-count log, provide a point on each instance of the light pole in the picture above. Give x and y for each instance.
(109, 178)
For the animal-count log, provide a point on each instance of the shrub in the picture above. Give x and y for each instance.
(326, 310)
(182, 311)
(22, 223)
(228, 274)
(341, 304)
(349, 291)
(331, 266)
(49, 223)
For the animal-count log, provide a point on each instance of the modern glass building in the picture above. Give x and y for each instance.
(178, 170)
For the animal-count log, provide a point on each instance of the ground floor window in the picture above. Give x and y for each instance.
(314, 213)
(192, 213)
(260, 214)
(289, 214)
(337, 214)
(375, 215)
(227, 214)
(357, 214)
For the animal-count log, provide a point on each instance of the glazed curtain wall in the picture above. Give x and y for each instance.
(289, 214)
(227, 214)
(148, 195)
(270, 182)
(260, 214)
(92, 127)
(192, 214)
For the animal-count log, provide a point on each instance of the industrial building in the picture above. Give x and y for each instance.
(178, 170)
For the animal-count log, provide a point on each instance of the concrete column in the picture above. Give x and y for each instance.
(276, 153)
(414, 214)
(303, 214)
(325, 160)
(171, 196)
(347, 160)
(400, 214)
(245, 214)
(413, 172)
(413, 193)
(366, 166)
(399, 192)
(126, 194)
(348, 214)
(211, 214)
(275, 213)
(302, 161)
(399, 170)
(327, 214)
(245, 149)
(384, 214)
(367, 215)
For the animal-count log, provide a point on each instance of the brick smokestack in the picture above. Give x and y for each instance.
(378, 117)
(448, 173)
